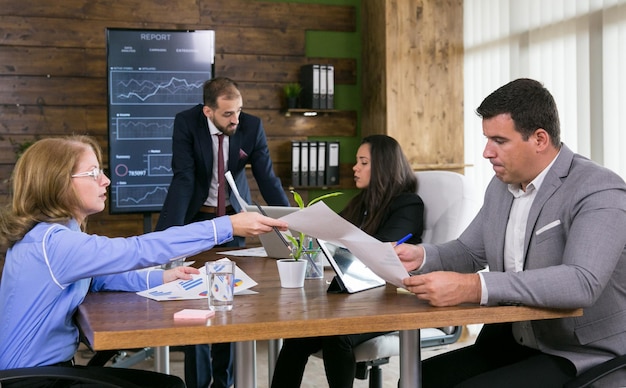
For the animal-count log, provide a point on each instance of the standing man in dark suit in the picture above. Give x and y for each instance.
(193, 192)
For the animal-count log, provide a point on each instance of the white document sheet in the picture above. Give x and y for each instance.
(196, 288)
(255, 251)
(233, 187)
(321, 222)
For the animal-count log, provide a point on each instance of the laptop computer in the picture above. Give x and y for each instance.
(351, 274)
(275, 244)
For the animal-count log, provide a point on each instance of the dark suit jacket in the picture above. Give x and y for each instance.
(574, 253)
(405, 215)
(192, 164)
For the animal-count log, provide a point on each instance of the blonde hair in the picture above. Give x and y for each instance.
(41, 186)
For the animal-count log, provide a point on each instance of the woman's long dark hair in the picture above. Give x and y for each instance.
(391, 174)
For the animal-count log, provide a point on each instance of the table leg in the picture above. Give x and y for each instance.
(410, 359)
(245, 364)
(162, 359)
(273, 348)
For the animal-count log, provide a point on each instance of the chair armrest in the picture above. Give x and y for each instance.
(597, 372)
(92, 375)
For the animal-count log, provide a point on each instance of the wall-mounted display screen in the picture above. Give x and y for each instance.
(152, 75)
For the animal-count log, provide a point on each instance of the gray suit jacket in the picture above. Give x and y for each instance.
(575, 257)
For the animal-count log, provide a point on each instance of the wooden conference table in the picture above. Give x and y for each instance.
(124, 320)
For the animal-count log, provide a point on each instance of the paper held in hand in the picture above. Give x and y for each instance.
(329, 226)
(233, 187)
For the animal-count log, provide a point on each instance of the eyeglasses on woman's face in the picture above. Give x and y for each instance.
(96, 173)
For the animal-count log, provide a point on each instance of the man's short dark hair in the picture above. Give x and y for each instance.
(219, 87)
(530, 105)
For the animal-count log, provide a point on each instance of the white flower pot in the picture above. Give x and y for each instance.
(291, 272)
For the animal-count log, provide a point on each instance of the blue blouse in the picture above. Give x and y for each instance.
(48, 273)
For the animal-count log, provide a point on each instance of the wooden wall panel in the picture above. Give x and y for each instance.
(41, 120)
(374, 65)
(60, 91)
(268, 68)
(35, 122)
(66, 62)
(210, 13)
(53, 70)
(273, 15)
(87, 10)
(69, 33)
(418, 97)
(5, 186)
(341, 124)
(55, 61)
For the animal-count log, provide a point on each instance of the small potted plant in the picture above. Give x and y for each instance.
(299, 243)
(292, 91)
(311, 266)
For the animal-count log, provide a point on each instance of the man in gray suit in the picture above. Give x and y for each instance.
(552, 232)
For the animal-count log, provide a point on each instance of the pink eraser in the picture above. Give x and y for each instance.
(193, 314)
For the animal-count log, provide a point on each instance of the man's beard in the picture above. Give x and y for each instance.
(225, 130)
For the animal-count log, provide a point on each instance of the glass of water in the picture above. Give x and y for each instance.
(221, 284)
(174, 263)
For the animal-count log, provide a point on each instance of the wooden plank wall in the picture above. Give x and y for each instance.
(417, 48)
(53, 70)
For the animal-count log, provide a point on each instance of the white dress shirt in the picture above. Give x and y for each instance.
(212, 198)
(514, 243)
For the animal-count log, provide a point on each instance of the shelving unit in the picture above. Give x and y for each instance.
(309, 112)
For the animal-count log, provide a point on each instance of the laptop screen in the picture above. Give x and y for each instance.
(275, 244)
(273, 211)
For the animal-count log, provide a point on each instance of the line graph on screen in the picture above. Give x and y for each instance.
(156, 87)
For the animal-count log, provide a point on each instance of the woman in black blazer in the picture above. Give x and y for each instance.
(388, 208)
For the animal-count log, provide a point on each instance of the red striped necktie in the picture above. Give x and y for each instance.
(221, 188)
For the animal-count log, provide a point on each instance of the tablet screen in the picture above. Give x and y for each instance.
(353, 275)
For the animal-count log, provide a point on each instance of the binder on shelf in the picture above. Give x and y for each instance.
(295, 164)
(312, 163)
(304, 163)
(323, 86)
(330, 87)
(332, 163)
(310, 81)
(321, 163)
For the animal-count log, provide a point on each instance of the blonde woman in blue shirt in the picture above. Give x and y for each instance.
(51, 263)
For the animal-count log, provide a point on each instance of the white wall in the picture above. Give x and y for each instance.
(576, 48)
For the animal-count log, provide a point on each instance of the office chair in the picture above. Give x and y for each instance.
(63, 375)
(120, 358)
(450, 204)
(590, 376)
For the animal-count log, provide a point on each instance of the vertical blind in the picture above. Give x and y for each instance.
(576, 48)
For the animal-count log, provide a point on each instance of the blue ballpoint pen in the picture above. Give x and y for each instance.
(403, 239)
